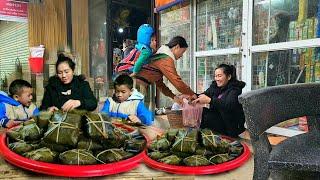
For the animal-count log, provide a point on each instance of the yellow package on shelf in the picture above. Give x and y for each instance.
(308, 77)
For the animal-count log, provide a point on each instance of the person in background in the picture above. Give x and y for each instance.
(67, 91)
(139, 56)
(127, 102)
(17, 107)
(162, 64)
(146, 44)
(279, 61)
(127, 46)
(225, 114)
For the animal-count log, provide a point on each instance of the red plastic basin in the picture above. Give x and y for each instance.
(200, 170)
(67, 170)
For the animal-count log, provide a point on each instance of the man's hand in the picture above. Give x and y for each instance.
(178, 100)
(202, 99)
(134, 119)
(188, 97)
(193, 97)
(70, 104)
(11, 123)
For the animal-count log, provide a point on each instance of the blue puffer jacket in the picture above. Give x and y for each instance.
(144, 35)
(132, 106)
(12, 109)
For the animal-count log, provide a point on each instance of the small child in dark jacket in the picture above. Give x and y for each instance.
(17, 107)
(127, 102)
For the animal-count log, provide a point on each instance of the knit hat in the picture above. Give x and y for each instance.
(144, 34)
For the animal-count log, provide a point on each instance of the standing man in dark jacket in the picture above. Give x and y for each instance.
(225, 114)
(67, 91)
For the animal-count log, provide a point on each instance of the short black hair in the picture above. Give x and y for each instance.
(178, 40)
(17, 85)
(62, 58)
(123, 79)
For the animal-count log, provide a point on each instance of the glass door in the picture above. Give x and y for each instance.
(218, 38)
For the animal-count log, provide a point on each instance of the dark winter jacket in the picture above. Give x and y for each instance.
(56, 93)
(225, 114)
(127, 51)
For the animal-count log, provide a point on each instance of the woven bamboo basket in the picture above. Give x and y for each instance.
(175, 118)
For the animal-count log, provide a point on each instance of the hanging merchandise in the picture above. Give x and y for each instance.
(318, 20)
(317, 23)
(5, 84)
(214, 32)
(18, 68)
(303, 10)
(261, 78)
(36, 60)
(101, 47)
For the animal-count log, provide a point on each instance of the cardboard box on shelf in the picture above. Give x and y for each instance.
(317, 72)
(308, 73)
(312, 67)
(305, 28)
(311, 28)
(292, 31)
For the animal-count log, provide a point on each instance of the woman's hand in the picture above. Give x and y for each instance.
(134, 119)
(70, 104)
(202, 99)
(133, 74)
(52, 109)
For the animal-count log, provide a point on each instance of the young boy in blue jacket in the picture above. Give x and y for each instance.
(127, 102)
(17, 107)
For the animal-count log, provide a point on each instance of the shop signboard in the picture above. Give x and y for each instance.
(164, 4)
(13, 11)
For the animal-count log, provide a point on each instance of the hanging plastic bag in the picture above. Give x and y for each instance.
(37, 52)
(18, 68)
(191, 114)
(36, 60)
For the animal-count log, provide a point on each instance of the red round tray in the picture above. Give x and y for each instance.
(200, 170)
(67, 170)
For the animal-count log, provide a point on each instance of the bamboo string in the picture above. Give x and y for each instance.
(103, 131)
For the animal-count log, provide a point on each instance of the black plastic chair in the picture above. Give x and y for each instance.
(267, 107)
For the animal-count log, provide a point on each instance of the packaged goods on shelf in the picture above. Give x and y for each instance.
(317, 72)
